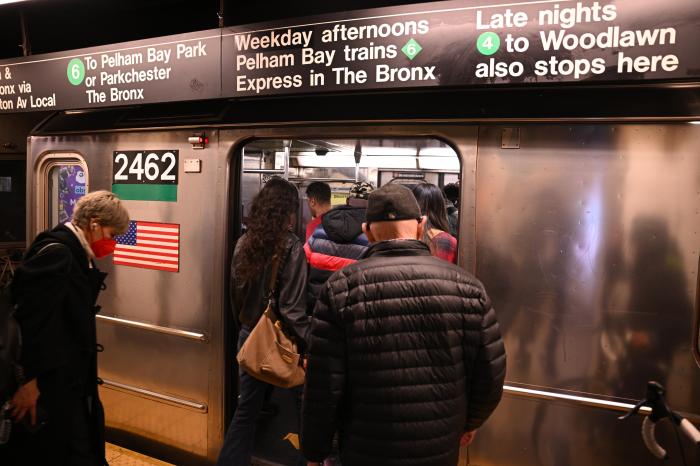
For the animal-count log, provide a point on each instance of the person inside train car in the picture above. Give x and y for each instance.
(437, 230)
(338, 241)
(405, 356)
(269, 236)
(318, 197)
(56, 290)
(451, 193)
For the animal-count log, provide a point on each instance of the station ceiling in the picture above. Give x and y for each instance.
(57, 25)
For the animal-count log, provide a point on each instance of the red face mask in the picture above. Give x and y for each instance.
(103, 247)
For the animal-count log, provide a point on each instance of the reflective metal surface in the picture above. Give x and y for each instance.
(587, 242)
(155, 421)
(188, 301)
(533, 432)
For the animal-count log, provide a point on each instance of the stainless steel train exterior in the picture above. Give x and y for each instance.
(586, 234)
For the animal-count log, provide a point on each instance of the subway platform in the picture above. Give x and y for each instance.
(118, 456)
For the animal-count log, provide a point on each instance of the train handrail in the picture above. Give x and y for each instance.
(156, 396)
(154, 328)
(656, 400)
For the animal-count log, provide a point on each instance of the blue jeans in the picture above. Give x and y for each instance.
(240, 437)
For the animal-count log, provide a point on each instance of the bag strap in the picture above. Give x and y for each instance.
(272, 287)
(272, 282)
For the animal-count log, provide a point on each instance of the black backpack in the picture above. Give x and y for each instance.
(11, 373)
(10, 347)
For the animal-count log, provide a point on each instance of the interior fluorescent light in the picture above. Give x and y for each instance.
(3, 2)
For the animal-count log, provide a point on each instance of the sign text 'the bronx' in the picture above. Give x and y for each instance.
(290, 48)
(129, 70)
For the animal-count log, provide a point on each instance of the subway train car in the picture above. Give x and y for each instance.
(578, 210)
(584, 233)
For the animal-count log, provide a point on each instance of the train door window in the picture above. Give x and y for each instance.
(341, 162)
(64, 180)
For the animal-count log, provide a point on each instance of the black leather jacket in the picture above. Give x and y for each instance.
(248, 300)
(405, 355)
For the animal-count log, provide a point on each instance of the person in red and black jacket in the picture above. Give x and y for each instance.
(338, 241)
(318, 197)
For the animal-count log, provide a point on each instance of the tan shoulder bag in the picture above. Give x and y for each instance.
(269, 354)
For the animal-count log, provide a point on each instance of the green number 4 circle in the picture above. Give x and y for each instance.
(488, 43)
(76, 71)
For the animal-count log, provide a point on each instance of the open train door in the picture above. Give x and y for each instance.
(406, 154)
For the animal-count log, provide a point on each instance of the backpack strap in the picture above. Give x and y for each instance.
(43, 249)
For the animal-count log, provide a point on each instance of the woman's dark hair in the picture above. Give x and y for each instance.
(432, 205)
(267, 227)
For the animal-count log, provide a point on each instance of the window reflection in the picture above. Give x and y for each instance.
(67, 183)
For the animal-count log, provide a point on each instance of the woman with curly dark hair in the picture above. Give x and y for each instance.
(268, 240)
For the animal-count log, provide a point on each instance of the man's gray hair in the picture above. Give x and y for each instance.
(105, 208)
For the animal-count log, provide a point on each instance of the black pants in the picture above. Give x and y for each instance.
(239, 442)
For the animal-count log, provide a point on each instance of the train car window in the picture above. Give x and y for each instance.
(12, 201)
(64, 181)
(342, 162)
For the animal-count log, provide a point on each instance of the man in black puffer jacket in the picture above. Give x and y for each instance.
(406, 359)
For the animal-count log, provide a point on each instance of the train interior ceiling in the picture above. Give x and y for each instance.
(341, 162)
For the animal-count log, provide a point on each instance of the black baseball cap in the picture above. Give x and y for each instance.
(391, 203)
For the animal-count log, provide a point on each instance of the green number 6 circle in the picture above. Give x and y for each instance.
(76, 71)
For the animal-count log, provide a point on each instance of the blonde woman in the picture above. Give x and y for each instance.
(56, 288)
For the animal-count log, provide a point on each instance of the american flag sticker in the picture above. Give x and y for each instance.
(150, 246)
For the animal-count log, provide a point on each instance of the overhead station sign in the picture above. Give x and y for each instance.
(455, 43)
(173, 68)
(464, 43)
